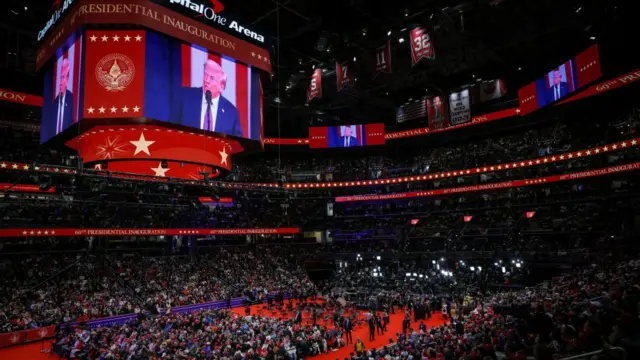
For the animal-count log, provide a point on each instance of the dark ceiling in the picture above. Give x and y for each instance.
(475, 39)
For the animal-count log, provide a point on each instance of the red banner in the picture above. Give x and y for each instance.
(20, 98)
(48, 232)
(588, 66)
(626, 79)
(286, 141)
(528, 98)
(114, 74)
(20, 337)
(494, 186)
(437, 113)
(344, 75)
(158, 18)
(374, 134)
(318, 137)
(421, 45)
(25, 188)
(383, 59)
(209, 199)
(140, 142)
(315, 85)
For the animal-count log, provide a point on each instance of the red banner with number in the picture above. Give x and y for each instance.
(315, 85)
(47, 232)
(383, 59)
(344, 75)
(114, 74)
(421, 45)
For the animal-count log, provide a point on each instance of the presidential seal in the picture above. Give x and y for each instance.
(115, 72)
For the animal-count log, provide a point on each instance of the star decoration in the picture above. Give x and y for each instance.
(90, 110)
(93, 38)
(136, 109)
(105, 38)
(160, 171)
(110, 149)
(142, 145)
(223, 156)
(125, 109)
(138, 38)
(114, 109)
(116, 38)
(102, 109)
(14, 166)
(3, 165)
(127, 38)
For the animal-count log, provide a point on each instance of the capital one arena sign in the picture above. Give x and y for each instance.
(200, 9)
(59, 8)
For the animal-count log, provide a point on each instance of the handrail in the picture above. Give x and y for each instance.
(590, 354)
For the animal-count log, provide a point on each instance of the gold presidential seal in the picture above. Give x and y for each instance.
(115, 72)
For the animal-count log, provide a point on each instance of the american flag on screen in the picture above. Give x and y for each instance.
(242, 89)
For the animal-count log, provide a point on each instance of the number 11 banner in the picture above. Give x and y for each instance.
(383, 59)
(315, 85)
(344, 75)
(421, 45)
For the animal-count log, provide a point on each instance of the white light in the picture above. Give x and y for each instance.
(408, 274)
(438, 266)
(354, 59)
(473, 268)
(414, 274)
(520, 68)
(513, 261)
(504, 270)
(401, 40)
(313, 66)
(441, 259)
(496, 264)
(389, 33)
(421, 275)
(479, 268)
(443, 272)
(377, 257)
(433, 261)
(518, 265)
(592, 38)
(26, 8)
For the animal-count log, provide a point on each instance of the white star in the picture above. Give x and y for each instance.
(223, 156)
(127, 38)
(633, 142)
(624, 144)
(614, 146)
(160, 171)
(114, 109)
(3, 165)
(136, 109)
(24, 233)
(101, 109)
(138, 38)
(538, 161)
(90, 110)
(253, 54)
(142, 145)
(25, 167)
(125, 109)
(606, 148)
(588, 152)
(104, 38)
(14, 166)
(116, 38)
(597, 151)
(93, 38)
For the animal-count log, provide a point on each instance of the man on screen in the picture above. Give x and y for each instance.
(347, 140)
(559, 88)
(63, 103)
(205, 108)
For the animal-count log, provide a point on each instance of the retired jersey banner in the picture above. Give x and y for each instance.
(315, 85)
(437, 113)
(459, 107)
(344, 75)
(20, 98)
(421, 45)
(114, 74)
(383, 59)
(488, 90)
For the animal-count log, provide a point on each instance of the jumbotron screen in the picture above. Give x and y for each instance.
(346, 136)
(120, 74)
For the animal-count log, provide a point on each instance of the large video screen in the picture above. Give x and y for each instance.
(61, 94)
(346, 136)
(187, 85)
(556, 84)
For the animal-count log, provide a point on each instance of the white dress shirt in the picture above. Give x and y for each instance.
(347, 140)
(214, 111)
(60, 118)
(556, 91)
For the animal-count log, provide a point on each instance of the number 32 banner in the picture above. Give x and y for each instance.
(421, 45)
(315, 86)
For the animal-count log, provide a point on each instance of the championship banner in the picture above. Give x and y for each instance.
(421, 45)
(437, 113)
(20, 98)
(383, 59)
(54, 232)
(114, 74)
(459, 108)
(495, 186)
(344, 75)
(489, 90)
(315, 85)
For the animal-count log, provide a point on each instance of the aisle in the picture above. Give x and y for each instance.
(32, 351)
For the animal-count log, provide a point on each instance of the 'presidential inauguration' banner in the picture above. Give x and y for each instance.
(315, 85)
(55, 232)
(459, 107)
(421, 45)
(20, 98)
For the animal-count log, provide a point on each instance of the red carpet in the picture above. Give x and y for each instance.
(32, 351)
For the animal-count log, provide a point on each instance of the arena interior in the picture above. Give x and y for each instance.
(290, 179)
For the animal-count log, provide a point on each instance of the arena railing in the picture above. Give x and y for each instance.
(587, 356)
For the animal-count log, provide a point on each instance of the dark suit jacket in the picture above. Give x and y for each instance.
(353, 141)
(564, 91)
(51, 127)
(188, 109)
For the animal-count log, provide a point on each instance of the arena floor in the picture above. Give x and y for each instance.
(33, 351)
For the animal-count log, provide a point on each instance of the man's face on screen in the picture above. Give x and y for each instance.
(213, 78)
(557, 77)
(347, 131)
(64, 75)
